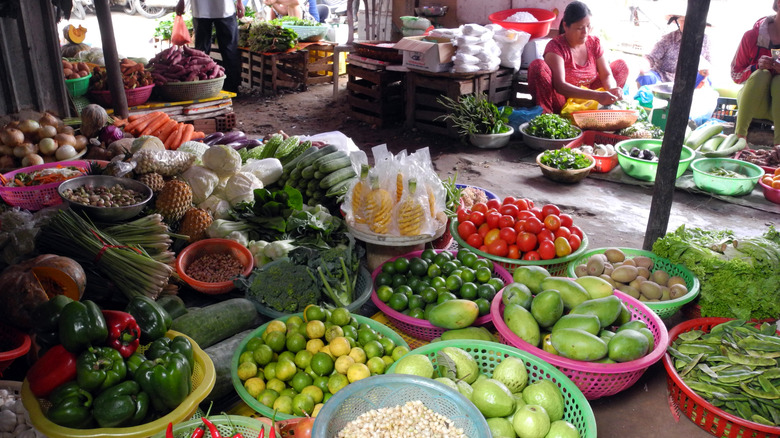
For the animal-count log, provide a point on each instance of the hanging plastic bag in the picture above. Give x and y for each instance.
(180, 35)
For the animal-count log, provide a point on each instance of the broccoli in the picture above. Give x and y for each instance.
(334, 270)
(281, 285)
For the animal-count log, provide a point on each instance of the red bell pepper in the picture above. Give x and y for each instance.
(124, 334)
(56, 367)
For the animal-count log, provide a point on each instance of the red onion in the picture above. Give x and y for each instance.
(110, 134)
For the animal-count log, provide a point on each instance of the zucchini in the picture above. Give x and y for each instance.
(291, 165)
(702, 134)
(308, 172)
(740, 144)
(172, 304)
(339, 189)
(221, 354)
(336, 177)
(331, 156)
(712, 143)
(334, 165)
(728, 142)
(216, 322)
(313, 185)
(309, 159)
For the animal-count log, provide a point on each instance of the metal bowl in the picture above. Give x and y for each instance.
(106, 214)
(541, 144)
(431, 11)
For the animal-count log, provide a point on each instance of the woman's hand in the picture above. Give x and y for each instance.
(608, 97)
(766, 63)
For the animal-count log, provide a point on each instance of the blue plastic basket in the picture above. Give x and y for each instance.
(390, 390)
(490, 195)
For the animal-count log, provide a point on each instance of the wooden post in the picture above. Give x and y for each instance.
(679, 108)
(115, 84)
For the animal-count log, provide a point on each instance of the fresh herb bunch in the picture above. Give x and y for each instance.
(475, 114)
(293, 21)
(454, 194)
(564, 159)
(551, 126)
(265, 37)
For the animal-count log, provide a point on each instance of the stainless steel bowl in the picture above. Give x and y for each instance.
(106, 214)
(431, 11)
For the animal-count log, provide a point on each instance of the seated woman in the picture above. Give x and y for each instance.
(573, 60)
(290, 8)
(755, 67)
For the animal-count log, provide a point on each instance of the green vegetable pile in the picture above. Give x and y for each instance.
(564, 159)
(475, 114)
(551, 126)
(265, 37)
(739, 277)
(293, 21)
(725, 173)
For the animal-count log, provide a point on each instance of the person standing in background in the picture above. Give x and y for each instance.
(291, 8)
(223, 15)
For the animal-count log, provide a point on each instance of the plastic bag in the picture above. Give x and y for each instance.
(180, 35)
(573, 104)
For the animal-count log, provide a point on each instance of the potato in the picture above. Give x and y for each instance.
(82, 66)
(73, 76)
(83, 73)
(68, 72)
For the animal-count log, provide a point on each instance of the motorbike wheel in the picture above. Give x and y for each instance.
(149, 12)
(130, 8)
(78, 11)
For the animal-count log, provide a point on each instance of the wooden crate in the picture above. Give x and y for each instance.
(375, 96)
(423, 89)
(321, 59)
(284, 70)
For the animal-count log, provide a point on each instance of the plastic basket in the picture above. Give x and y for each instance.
(541, 144)
(605, 120)
(203, 379)
(34, 198)
(771, 194)
(537, 29)
(184, 91)
(595, 380)
(722, 185)
(135, 96)
(421, 328)
(78, 87)
(226, 424)
(576, 409)
(308, 33)
(603, 164)
(556, 267)
(18, 343)
(395, 390)
(664, 309)
(710, 418)
(265, 410)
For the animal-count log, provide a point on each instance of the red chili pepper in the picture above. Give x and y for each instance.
(169, 431)
(54, 368)
(198, 433)
(123, 332)
(212, 428)
(262, 433)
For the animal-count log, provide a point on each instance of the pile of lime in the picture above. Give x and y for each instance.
(297, 364)
(413, 286)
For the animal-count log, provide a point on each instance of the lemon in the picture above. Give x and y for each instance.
(247, 370)
(314, 392)
(276, 385)
(343, 363)
(339, 346)
(315, 329)
(254, 386)
(358, 354)
(336, 382)
(314, 345)
(283, 404)
(357, 371)
(376, 365)
(387, 360)
(295, 320)
(317, 409)
(326, 350)
(275, 326)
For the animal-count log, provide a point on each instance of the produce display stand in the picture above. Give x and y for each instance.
(381, 248)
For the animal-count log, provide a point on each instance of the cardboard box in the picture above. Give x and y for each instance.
(425, 53)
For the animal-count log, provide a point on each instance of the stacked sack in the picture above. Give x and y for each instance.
(511, 44)
(476, 50)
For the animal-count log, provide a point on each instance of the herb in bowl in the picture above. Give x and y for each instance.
(551, 126)
(565, 159)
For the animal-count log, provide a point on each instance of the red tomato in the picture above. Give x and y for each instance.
(506, 221)
(530, 203)
(525, 214)
(498, 248)
(574, 242)
(532, 255)
(477, 217)
(482, 230)
(483, 248)
(546, 249)
(466, 229)
(508, 235)
(519, 226)
(514, 252)
(563, 232)
(577, 230)
(491, 236)
(526, 241)
(562, 247)
(522, 204)
(549, 209)
(474, 240)
(545, 234)
(493, 203)
(533, 225)
(480, 207)
(463, 214)
(509, 200)
(552, 222)
(566, 220)
(538, 213)
(492, 219)
(510, 210)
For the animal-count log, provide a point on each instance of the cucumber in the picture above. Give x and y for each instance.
(291, 165)
(216, 322)
(286, 148)
(309, 159)
(339, 189)
(308, 172)
(331, 156)
(295, 174)
(298, 151)
(318, 175)
(222, 355)
(313, 185)
(702, 134)
(336, 177)
(728, 142)
(740, 144)
(172, 304)
(334, 165)
(711, 144)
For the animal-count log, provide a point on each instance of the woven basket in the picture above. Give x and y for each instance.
(34, 198)
(576, 409)
(185, 91)
(664, 309)
(605, 120)
(595, 380)
(568, 176)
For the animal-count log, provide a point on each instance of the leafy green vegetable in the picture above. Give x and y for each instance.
(293, 21)
(726, 173)
(281, 285)
(551, 126)
(564, 159)
(265, 37)
(475, 114)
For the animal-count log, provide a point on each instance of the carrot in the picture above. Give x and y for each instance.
(198, 134)
(165, 130)
(174, 140)
(134, 117)
(139, 125)
(119, 122)
(135, 120)
(187, 135)
(155, 124)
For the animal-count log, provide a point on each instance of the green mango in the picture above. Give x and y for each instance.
(531, 276)
(627, 345)
(625, 314)
(607, 309)
(606, 335)
(572, 292)
(632, 325)
(522, 323)
(475, 333)
(454, 314)
(517, 293)
(547, 307)
(588, 323)
(578, 344)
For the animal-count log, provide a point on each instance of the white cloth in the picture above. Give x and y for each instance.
(213, 8)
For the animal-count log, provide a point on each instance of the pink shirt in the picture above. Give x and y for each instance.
(577, 75)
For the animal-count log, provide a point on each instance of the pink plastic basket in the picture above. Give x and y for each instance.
(37, 197)
(595, 380)
(135, 96)
(420, 328)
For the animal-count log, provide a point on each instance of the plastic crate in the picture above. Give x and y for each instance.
(726, 110)
(603, 164)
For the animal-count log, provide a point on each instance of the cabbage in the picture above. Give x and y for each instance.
(218, 207)
(195, 148)
(268, 170)
(240, 188)
(222, 159)
(203, 182)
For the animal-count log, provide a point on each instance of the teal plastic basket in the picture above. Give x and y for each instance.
(664, 309)
(576, 408)
(396, 390)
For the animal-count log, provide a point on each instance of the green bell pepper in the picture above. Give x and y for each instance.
(122, 405)
(81, 324)
(46, 316)
(100, 368)
(70, 406)
(166, 379)
(134, 362)
(153, 320)
(179, 344)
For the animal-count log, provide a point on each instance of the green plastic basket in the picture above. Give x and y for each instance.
(556, 267)
(78, 87)
(576, 408)
(664, 309)
(265, 410)
(226, 424)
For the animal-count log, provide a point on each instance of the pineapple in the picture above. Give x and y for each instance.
(399, 186)
(155, 181)
(379, 205)
(411, 212)
(174, 199)
(359, 191)
(195, 223)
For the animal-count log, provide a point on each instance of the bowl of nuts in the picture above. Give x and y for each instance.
(105, 198)
(210, 265)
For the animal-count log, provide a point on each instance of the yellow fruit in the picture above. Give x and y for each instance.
(317, 409)
(314, 346)
(315, 329)
(254, 386)
(326, 350)
(357, 372)
(174, 199)
(339, 346)
(276, 326)
(153, 180)
(343, 363)
(358, 354)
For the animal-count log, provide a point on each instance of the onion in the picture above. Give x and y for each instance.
(47, 146)
(6, 150)
(65, 152)
(63, 139)
(65, 129)
(7, 162)
(29, 127)
(81, 142)
(110, 134)
(32, 160)
(49, 119)
(47, 131)
(12, 137)
(49, 158)
(25, 149)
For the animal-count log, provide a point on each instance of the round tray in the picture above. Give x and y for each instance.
(421, 328)
(135, 96)
(389, 240)
(664, 309)
(185, 91)
(710, 418)
(488, 355)
(37, 197)
(556, 267)
(263, 409)
(542, 144)
(203, 379)
(595, 380)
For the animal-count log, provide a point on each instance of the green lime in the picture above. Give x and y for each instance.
(417, 313)
(404, 289)
(483, 262)
(314, 392)
(419, 286)
(321, 382)
(483, 274)
(428, 255)
(468, 274)
(263, 355)
(401, 265)
(429, 294)
(448, 266)
(354, 322)
(247, 356)
(313, 312)
(253, 343)
(301, 380)
(438, 282)
(373, 349)
(289, 392)
(399, 279)
(486, 291)
(416, 302)
(453, 283)
(303, 359)
(388, 268)
(295, 320)
(296, 342)
(340, 316)
(457, 272)
(398, 302)
(276, 385)
(412, 281)
(350, 332)
(462, 253)
(286, 355)
(470, 259)
(445, 296)
(366, 334)
(276, 340)
(428, 308)
(383, 279)
(418, 267)
(484, 306)
(497, 283)
(268, 397)
(384, 292)
(442, 258)
(468, 291)
(269, 371)
(388, 344)
(322, 364)
(302, 404)
(434, 270)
